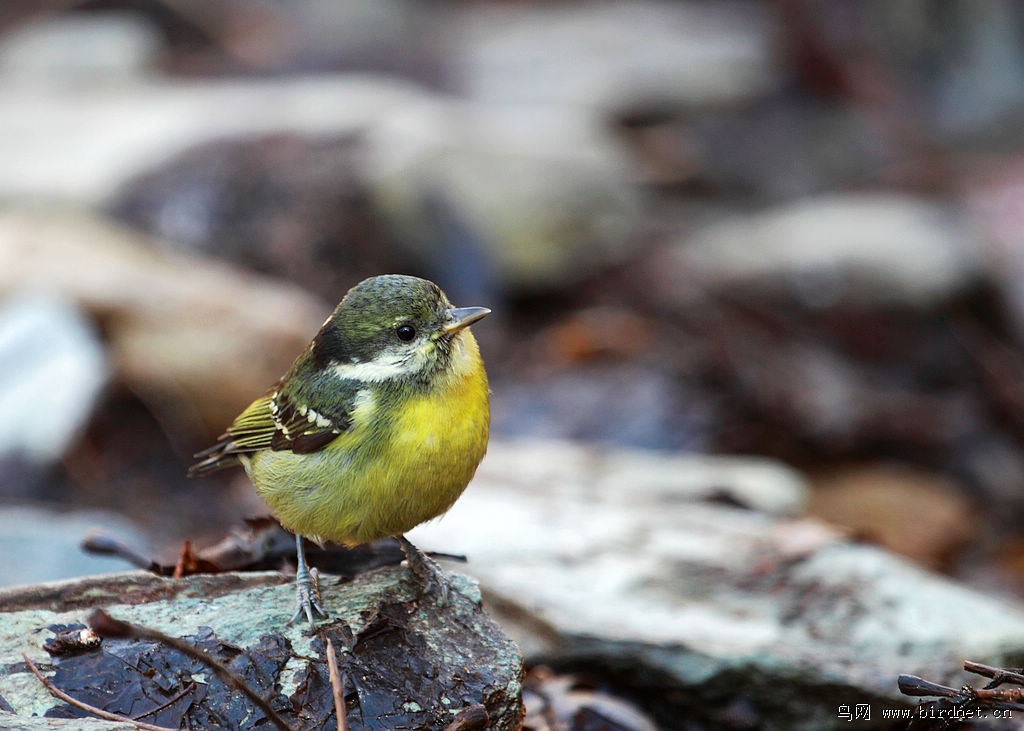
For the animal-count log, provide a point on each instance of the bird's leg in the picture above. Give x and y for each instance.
(307, 589)
(424, 568)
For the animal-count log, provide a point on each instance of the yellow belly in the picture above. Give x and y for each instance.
(388, 472)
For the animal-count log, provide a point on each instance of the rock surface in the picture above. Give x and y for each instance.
(408, 661)
(621, 564)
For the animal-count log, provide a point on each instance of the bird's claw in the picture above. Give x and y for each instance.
(426, 570)
(307, 598)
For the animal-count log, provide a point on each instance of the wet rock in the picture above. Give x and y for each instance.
(53, 368)
(602, 569)
(407, 660)
(194, 338)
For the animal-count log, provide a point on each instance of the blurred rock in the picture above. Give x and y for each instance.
(543, 193)
(613, 55)
(79, 47)
(524, 196)
(84, 146)
(380, 35)
(42, 544)
(840, 404)
(289, 205)
(874, 250)
(793, 146)
(53, 368)
(193, 338)
(755, 483)
(602, 569)
(916, 514)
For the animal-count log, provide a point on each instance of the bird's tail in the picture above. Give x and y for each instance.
(214, 458)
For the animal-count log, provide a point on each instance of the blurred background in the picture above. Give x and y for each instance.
(790, 229)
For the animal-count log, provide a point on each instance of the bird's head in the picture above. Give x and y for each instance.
(391, 327)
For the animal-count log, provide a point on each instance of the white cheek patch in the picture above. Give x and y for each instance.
(376, 371)
(388, 365)
(395, 362)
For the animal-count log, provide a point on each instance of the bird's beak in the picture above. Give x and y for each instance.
(460, 317)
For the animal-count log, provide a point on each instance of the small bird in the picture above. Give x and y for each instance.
(378, 425)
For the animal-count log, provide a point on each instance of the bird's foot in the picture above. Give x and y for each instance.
(307, 597)
(425, 569)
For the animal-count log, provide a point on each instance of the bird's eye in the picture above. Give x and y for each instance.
(405, 332)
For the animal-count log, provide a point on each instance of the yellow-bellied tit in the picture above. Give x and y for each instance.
(378, 425)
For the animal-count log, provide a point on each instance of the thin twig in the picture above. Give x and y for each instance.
(991, 696)
(58, 693)
(337, 687)
(106, 626)
(999, 675)
(1010, 698)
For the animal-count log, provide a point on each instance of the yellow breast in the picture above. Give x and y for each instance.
(397, 466)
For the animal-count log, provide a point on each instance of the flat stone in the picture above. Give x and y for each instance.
(612, 563)
(408, 660)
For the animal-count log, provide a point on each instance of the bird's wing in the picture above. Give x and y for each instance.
(278, 421)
